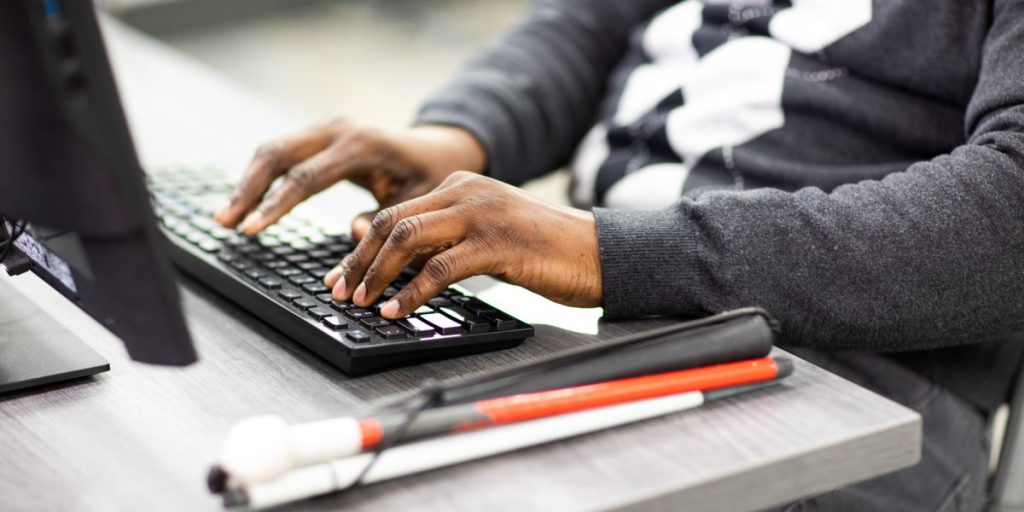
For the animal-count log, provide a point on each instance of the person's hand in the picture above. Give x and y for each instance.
(472, 225)
(393, 166)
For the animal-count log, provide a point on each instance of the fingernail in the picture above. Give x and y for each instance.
(339, 288)
(360, 294)
(390, 308)
(332, 276)
(251, 220)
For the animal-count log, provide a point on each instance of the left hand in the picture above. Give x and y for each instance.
(472, 225)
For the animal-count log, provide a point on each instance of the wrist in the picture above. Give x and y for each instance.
(449, 149)
(575, 259)
(587, 259)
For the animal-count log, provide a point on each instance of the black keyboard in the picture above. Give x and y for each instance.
(278, 276)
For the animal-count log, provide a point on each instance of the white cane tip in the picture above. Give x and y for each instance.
(257, 449)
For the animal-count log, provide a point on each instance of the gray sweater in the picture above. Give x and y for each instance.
(882, 209)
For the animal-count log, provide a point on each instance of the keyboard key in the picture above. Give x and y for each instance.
(320, 254)
(226, 256)
(276, 264)
(180, 229)
(301, 279)
(238, 241)
(283, 250)
(288, 271)
(476, 306)
(358, 336)
(334, 323)
(439, 302)
(390, 332)
(240, 264)
(325, 298)
(296, 258)
(315, 288)
(389, 292)
(374, 321)
(304, 303)
(269, 242)
(203, 223)
(471, 321)
(339, 248)
(358, 313)
(444, 324)
(221, 234)
(270, 283)
(263, 256)
(319, 313)
(315, 238)
(255, 274)
(416, 326)
(319, 272)
(460, 299)
(307, 265)
(210, 246)
(195, 237)
(500, 320)
(424, 310)
(342, 305)
(289, 295)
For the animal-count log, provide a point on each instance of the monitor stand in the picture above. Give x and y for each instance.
(36, 349)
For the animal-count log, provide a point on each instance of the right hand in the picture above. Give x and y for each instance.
(393, 166)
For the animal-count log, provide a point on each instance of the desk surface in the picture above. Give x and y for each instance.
(141, 437)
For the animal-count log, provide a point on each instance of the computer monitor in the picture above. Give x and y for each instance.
(70, 175)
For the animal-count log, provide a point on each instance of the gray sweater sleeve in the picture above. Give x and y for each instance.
(927, 257)
(530, 97)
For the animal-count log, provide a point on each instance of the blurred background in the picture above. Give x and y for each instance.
(371, 60)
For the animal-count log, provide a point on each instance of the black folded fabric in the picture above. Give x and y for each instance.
(731, 336)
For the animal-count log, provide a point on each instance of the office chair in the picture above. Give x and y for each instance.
(1007, 491)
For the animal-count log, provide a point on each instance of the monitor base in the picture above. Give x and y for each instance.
(36, 349)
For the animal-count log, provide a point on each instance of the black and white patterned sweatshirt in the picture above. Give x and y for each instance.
(855, 167)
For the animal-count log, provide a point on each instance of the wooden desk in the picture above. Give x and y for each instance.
(141, 437)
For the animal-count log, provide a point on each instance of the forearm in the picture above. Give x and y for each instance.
(529, 98)
(923, 258)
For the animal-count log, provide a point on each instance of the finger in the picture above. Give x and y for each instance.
(355, 264)
(300, 182)
(361, 224)
(426, 234)
(456, 178)
(270, 161)
(439, 272)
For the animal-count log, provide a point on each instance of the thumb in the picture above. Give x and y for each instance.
(361, 225)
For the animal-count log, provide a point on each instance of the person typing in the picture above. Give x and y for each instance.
(855, 168)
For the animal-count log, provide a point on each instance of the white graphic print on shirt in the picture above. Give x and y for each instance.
(711, 78)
